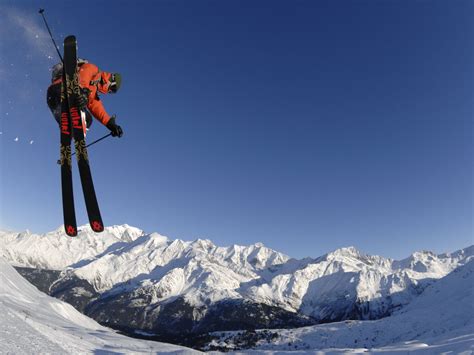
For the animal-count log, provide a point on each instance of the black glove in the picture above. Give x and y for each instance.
(83, 99)
(114, 128)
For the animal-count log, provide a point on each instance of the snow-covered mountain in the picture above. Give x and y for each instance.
(362, 286)
(34, 323)
(440, 320)
(145, 280)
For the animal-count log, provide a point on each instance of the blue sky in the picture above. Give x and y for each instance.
(305, 125)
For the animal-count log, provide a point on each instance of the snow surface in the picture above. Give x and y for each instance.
(440, 320)
(34, 323)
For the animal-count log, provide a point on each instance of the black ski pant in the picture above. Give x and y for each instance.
(53, 98)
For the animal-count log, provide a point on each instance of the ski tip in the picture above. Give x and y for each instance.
(71, 231)
(97, 226)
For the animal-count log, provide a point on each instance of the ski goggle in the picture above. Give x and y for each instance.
(112, 84)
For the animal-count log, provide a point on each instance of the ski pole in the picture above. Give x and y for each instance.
(41, 11)
(94, 142)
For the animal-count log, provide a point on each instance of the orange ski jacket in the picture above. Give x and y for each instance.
(91, 78)
(94, 80)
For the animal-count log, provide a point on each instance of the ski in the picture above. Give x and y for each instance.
(69, 212)
(73, 90)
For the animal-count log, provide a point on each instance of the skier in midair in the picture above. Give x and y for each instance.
(92, 82)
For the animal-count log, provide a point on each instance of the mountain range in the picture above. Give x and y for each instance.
(137, 282)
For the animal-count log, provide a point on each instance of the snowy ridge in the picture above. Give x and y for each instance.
(34, 323)
(54, 251)
(347, 277)
(198, 269)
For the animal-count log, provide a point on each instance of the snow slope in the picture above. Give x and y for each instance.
(34, 323)
(440, 320)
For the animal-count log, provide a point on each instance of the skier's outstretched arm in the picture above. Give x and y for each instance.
(97, 109)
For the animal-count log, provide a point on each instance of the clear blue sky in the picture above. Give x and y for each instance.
(305, 125)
